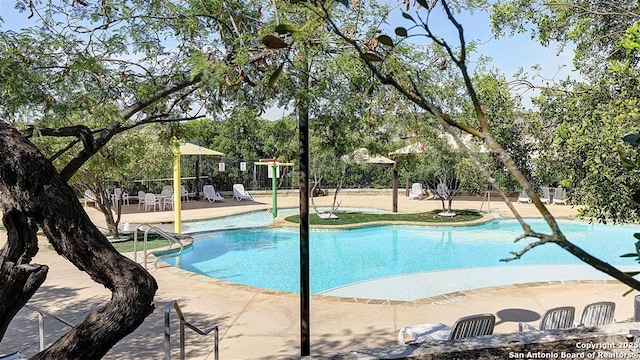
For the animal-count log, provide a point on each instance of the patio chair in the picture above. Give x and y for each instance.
(151, 201)
(524, 197)
(556, 318)
(209, 193)
(140, 198)
(239, 192)
(559, 196)
(600, 313)
(118, 195)
(416, 191)
(184, 194)
(166, 191)
(544, 195)
(464, 327)
(167, 202)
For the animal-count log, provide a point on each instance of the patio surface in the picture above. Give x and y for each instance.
(261, 324)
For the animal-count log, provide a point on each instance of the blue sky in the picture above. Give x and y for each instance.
(508, 54)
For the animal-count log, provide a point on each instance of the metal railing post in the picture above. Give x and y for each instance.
(183, 323)
(41, 330)
(182, 355)
(167, 331)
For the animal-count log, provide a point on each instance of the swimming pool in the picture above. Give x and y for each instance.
(269, 257)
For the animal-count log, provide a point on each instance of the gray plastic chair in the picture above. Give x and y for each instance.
(465, 327)
(556, 318)
(600, 313)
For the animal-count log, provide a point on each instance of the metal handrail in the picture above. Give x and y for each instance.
(41, 314)
(160, 232)
(167, 333)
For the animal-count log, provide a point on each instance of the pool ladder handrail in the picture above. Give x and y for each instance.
(41, 315)
(167, 332)
(172, 240)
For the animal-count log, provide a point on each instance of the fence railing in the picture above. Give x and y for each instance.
(183, 323)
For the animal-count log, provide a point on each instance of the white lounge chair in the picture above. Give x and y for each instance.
(442, 191)
(209, 193)
(559, 196)
(600, 313)
(89, 197)
(544, 195)
(465, 327)
(553, 319)
(12, 356)
(416, 191)
(524, 197)
(239, 192)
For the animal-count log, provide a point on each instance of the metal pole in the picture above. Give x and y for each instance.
(274, 190)
(167, 333)
(182, 338)
(41, 330)
(395, 189)
(303, 129)
(177, 195)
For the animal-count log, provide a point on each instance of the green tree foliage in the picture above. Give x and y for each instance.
(583, 121)
(413, 88)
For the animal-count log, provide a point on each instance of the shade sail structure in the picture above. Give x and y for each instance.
(179, 150)
(361, 156)
(415, 148)
(193, 149)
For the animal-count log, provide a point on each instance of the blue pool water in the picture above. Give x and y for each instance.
(269, 257)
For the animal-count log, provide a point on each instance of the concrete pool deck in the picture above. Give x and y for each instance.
(261, 324)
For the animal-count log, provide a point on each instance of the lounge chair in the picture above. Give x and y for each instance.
(465, 327)
(524, 197)
(89, 197)
(239, 192)
(416, 191)
(209, 193)
(544, 195)
(600, 313)
(442, 191)
(559, 196)
(553, 319)
(12, 356)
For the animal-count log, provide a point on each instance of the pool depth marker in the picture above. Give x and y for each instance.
(274, 163)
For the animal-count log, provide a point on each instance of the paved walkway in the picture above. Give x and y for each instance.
(256, 323)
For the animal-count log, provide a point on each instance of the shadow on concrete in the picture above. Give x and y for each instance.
(341, 341)
(516, 315)
(147, 342)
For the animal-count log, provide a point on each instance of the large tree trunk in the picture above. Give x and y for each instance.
(34, 194)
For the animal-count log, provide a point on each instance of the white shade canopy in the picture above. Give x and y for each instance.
(361, 156)
(193, 149)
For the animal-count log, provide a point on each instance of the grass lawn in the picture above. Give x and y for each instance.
(152, 243)
(351, 218)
